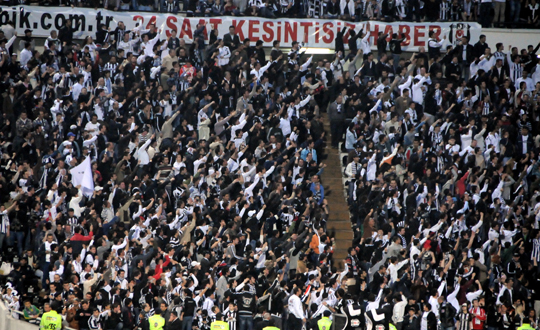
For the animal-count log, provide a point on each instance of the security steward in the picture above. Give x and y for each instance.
(271, 325)
(51, 320)
(156, 321)
(219, 324)
(325, 323)
(526, 325)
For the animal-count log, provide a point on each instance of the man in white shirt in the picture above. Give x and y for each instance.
(526, 79)
(365, 45)
(142, 153)
(4, 47)
(47, 249)
(487, 61)
(417, 92)
(536, 75)
(128, 44)
(26, 54)
(435, 45)
(147, 46)
(92, 126)
(224, 54)
(258, 71)
(296, 310)
(77, 88)
(354, 167)
(394, 267)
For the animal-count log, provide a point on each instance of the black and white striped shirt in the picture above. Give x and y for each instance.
(4, 225)
(516, 71)
(535, 253)
(111, 67)
(464, 320)
(230, 317)
(94, 323)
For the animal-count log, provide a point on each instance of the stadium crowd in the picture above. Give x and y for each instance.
(208, 204)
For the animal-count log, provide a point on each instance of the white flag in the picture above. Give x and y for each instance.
(82, 175)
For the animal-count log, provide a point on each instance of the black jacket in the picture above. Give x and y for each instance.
(458, 51)
(176, 324)
(246, 303)
(65, 34)
(447, 312)
(431, 321)
(231, 41)
(480, 49)
(339, 35)
(411, 323)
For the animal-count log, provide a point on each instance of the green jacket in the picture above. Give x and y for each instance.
(29, 312)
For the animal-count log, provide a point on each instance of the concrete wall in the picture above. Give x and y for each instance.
(520, 38)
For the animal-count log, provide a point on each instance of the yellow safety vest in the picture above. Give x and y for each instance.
(51, 321)
(392, 327)
(270, 328)
(219, 325)
(526, 326)
(324, 323)
(156, 322)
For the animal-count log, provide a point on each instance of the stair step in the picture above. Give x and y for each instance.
(339, 224)
(344, 235)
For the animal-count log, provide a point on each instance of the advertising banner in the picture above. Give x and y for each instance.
(316, 33)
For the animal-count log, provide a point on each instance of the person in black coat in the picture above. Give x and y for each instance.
(264, 323)
(382, 44)
(411, 320)
(173, 322)
(453, 70)
(480, 46)
(352, 42)
(378, 279)
(339, 41)
(65, 34)
(231, 39)
(524, 139)
(469, 52)
(102, 35)
(431, 318)
(259, 51)
(174, 42)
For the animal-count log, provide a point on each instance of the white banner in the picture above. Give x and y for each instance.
(82, 175)
(314, 33)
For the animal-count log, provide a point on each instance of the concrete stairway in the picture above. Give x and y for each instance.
(339, 223)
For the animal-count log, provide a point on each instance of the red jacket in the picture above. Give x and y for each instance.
(159, 268)
(460, 185)
(79, 237)
(479, 317)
